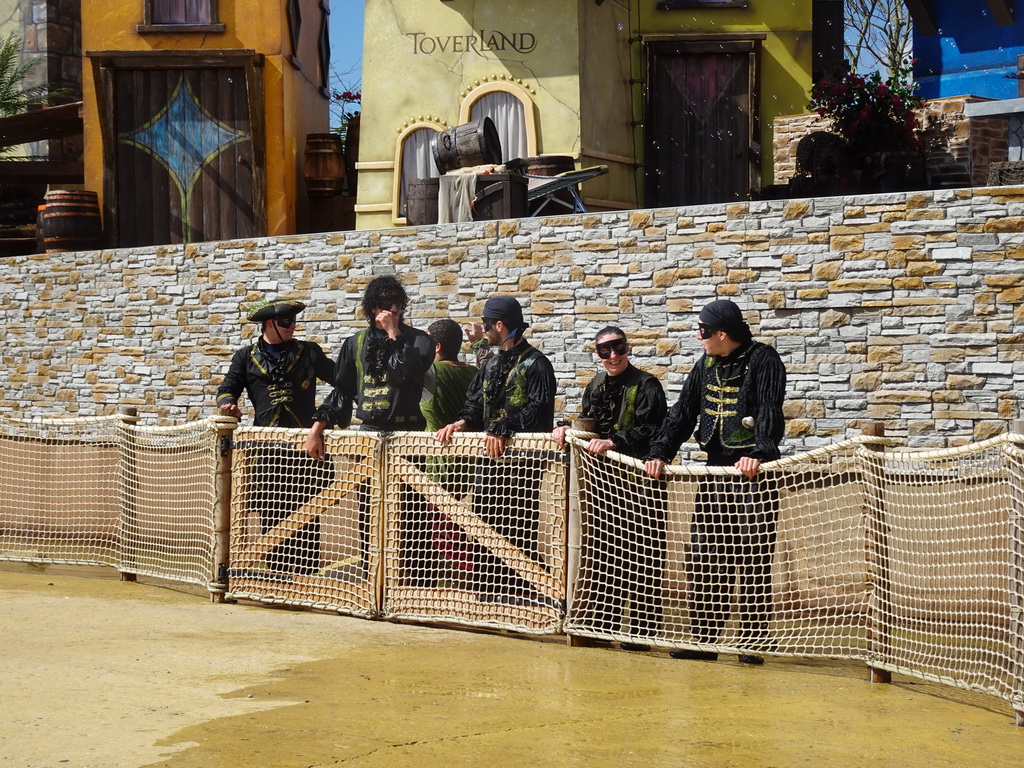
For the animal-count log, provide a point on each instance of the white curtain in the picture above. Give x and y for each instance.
(417, 159)
(509, 118)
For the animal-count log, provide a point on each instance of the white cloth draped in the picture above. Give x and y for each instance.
(417, 159)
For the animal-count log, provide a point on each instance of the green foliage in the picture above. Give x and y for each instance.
(14, 95)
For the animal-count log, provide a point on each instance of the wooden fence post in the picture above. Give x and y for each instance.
(1017, 568)
(222, 509)
(571, 541)
(129, 415)
(878, 625)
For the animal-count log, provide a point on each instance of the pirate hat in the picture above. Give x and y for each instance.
(274, 308)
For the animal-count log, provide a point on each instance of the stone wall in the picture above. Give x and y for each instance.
(906, 308)
(52, 35)
(958, 149)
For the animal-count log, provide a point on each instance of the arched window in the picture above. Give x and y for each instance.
(511, 109)
(414, 159)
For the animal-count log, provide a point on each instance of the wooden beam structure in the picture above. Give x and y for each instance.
(923, 14)
(42, 171)
(41, 124)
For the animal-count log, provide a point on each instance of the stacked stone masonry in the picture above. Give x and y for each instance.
(957, 150)
(903, 308)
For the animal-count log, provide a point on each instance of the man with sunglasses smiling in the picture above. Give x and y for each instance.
(628, 407)
(278, 374)
(733, 397)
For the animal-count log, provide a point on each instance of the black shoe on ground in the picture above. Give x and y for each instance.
(634, 647)
(694, 655)
(749, 658)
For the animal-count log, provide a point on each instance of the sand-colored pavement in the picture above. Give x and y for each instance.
(96, 673)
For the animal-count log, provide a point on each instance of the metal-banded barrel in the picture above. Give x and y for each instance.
(71, 221)
(323, 164)
(467, 145)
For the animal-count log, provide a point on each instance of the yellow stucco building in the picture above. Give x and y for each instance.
(675, 97)
(196, 115)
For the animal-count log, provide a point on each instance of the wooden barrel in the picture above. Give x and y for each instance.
(421, 200)
(71, 221)
(549, 165)
(323, 164)
(467, 145)
(40, 242)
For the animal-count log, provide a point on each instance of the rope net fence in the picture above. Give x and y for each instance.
(945, 550)
(166, 487)
(59, 500)
(910, 561)
(473, 540)
(306, 531)
(707, 559)
(102, 491)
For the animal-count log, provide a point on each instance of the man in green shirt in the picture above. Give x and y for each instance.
(428, 532)
(445, 385)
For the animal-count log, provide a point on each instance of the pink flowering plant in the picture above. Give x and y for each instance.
(872, 114)
(347, 105)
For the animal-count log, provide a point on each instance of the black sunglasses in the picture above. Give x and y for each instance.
(285, 322)
(706, 331)
(488, 323)
(605, 348)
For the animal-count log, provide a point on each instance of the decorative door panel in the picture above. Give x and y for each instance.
(701, 142)
(183, 162)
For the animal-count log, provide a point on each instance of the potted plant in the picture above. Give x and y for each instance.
(878, 120)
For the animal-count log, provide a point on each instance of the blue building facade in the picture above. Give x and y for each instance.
(966, 48)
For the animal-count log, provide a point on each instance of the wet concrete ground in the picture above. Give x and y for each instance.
(101, 674)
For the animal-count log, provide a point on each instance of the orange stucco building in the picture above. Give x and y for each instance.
(196, 113)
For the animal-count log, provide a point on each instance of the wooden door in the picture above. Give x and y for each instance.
(184, 163)
(701, 142)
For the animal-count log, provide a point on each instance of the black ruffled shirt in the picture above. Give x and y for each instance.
(381, 378)
(513, 393)
(629, 409)
(279, 380)
(718, 395)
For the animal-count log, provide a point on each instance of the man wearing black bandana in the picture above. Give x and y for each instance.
(380, 372)
(627, 535)
(514, 392)
(733, 397)
(278, 374)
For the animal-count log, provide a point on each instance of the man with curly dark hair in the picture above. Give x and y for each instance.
(379, 370)
(380, 373)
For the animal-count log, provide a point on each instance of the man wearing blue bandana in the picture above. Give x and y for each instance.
(733, 397)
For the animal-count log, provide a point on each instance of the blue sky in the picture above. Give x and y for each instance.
(347, 41)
